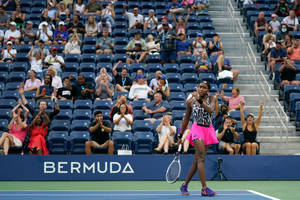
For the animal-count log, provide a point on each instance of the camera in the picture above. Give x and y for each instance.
(224, 110)
(219, 160)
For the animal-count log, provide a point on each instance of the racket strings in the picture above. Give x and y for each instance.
(173, 172)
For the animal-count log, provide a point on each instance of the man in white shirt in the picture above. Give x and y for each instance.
(12, 34)
(45, 34)
(9, 54)
(150, 22)
(291, 21)
(55, 60)
(136, 20)
(139, 90)
(154, 82)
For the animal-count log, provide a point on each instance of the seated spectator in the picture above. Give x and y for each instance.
(104, 25)
(168, 45)
(20, 109)
(288, 73)
(296, 7)
(181, 24)
(105, 44)
(164, 20)
(41, 49)
(122, 120)
(261, 23)
(282, 34)
(157, 108)
(137, 39)
(122, 81)
(139, 90)
(136, 20)
(28, 34)
(32, 83)
(291, 21)
(226, 136)
(151, 21)
(203, 63)
(166, 134)
(99, 132)
(12, 34)
(154, 82)
(82, 89)
(35, 60)
(268, 41)
(116, 108)
(49, 12)
(277, 56)
(274, 23)
(4, 18)
(8, 54)
(182, 46)
(200, 5)
(79, 7)
(103, 71)
(199, 45)
(152, 47)
(104, 89)
(250, 128)
(294, 50)
(91, 27)
(93, 8)
(9, 5)
(287, 42)
(282, 8)
(62, 13)
(139, 72)
(46, 91)
(60, 34)
(187, 3)
(38, 132)
(65, 92)
(50, 25)
(175, 8)
(221, 114)
(136, 55)
(108, 13)
(45, 34)
(56, 80)
(162, 87)
(19, 17)
(73, 45)
(75, 26)
(55, 60)
(215, 45)
(234, 100)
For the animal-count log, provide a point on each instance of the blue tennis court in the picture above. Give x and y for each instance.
(128, 195)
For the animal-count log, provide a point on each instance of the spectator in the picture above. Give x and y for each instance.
(32, 83)
(60, 34)
(79, 7)
(10, 5)
(175, 8)
(250, 128)
(274, 23)
(201, 5)
(35, 60)
(19, 17)
(104, 89)
(154, 82)
(20, 109)
(93, 8)
(267, 37)
(283, 32)
(166, 134)
(137, 39)
(12, 34)
(99, 131)
(122, 120)
(152, 47)
(50, 25)
(167, 44)
(123, 83)
(291, 21)
(277, 56)
(28, 34)
(221, 114)
(4, 18)
(234, 100)
(8, 54)
(105, 44)
(116, 108)
(203, 63)
(109, 13)
(62, 13)
(49, 12)
(103, 71)
(187, 3)
(215, 45)
(296, 7)
(139, 72)
(199, 45)
(41, 49)
(46, 90)
(136, 20)
(75, 26)
(45, 34)
(151, 21)
(294, 50)
(65, 92)
(91, 27)
(104, 24)
(136, 55)
(38, 132)
(82, 89)
(162, 87)
(56, 80)
(288, 73)
(181, 24)
(139, 90)
(269, 44)
(226, 136)
(73, 46)
(157, 108)
(55, 60)
(287, 43)
(182, 46)
(261, 23)
(282, 9)
(164, 20)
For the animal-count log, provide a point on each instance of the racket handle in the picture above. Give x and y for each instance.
(179, 148)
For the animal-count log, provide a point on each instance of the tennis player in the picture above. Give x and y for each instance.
(201, 106)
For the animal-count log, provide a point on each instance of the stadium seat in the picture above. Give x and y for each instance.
(89, 77)
(3, 76)
(104, 58)
(177, 105)
(190, 78)
(138, 104)
(5, 113)
(140, 115)
(235, 114)
(136, 66)
(82, 114)
(287, 89)
(60, 125)
(153, 67)
(77, 141)
(143, 142)
(87, 67)
(142, 125)
(187, 68)
(83, 104)
(90, 41)
(122, 57)
(185, 59)
(173, 78)
(3, 125)
(176, 87)
(20, 66)
(16, 77)
(10, 95)
(71, 67)
(106, 65)
(29, 94)
(7, 103)
(12, 86)
(190, 87)
(80, 125)
(72, 58)
(88, 49)
(228, 88)
(64, 114)
(65, 104)
(178, 114)
(209, 77)
(294, 98)
(171, 68)
(102, 105)
(58, 142)
(119, 32)
(176, 96)
(153, 59)
(88, 58)
(122, 140)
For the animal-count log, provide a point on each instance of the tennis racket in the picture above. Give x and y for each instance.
(174, 169)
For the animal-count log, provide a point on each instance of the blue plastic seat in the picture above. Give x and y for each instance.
(153, 67)
(29, 94)
(121, 41)
(106, 65)
(190, 87)
(185, 59)
(91, 57)
(16, 77)
(236, 115)
(117, 32)
(12, 86)
(21, 57)
(3, 77)
(83, 104)
(64, 114)
(142, 125)
(72, 58)
(294, 98)
(136, 66)
(89, 77)
(138, 104)
(90, 49)
(60, 125)
(58, 142)
(143, 142)
(104, 58)
(89, 41)
(178, 114)
(209, 77)
(153, 59)
(3, 125)
(176, 96)
(65, 104)
(176, 87)
(4, 67)
(122, 139)
(187, 68)
(82, 114)
(140, 115)
(121, 57)
(20, 66)
(171, 68)
(5, 113)
(228, 88)
(173, 77)
(287, 89)
(80, 125)
(190, 78)
(77, 141)
(87, 67)
(177, 105)
(7, 103)
(10, 94)
(71, 67)
(103, 104)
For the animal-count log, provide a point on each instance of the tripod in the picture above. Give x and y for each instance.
(219, 172)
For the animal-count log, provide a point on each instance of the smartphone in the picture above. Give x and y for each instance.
(82, 87)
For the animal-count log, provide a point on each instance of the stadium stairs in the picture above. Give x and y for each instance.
(276, 134)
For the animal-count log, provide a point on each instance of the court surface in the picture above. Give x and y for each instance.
(128, 195)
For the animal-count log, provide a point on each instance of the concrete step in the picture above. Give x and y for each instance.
(291, 139)
(279, 152)
(281, 146)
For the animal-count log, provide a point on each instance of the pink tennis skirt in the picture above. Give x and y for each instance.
(207, 134)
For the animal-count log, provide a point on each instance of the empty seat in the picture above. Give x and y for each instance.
(82, 114)
(176, 96)
(173, 77)
(171, 68)
(64, 114)
(80, 125)
(228, 87)
(83, 104)
(178, 114)
(71, 67)
(190, 87)
(177, 105)
(118, 57)
(12, 86)
(209, 77)
(88, 57)
(90, 49)
(190, 78)
(60, 125)
(153, 67)
(57, 142)
(185, 59)
(187, 68)
(16, 77)
(87, 67)
(143, 142)
(7, 103)
(10, 95)
(65, 104)
(122, 139)
(77, 141)
(139, 104)
(3, 125)
(142, 125)
(104, 58)
(72, 58)
(29, 94)
(140, 115)
(102, 104)
(5, 113)
(175, 87)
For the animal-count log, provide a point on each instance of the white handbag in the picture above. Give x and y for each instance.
(124, 150)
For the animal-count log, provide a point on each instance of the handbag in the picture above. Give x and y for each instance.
(124, 150)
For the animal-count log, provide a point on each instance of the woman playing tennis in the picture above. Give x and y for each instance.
(201, 106)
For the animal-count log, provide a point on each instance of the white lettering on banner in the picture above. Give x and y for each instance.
(75, 166)
(84, 168)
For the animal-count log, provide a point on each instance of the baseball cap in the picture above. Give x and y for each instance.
(139, 76)
(199, 35)
(29, 22)
(9, 42)
(13, 23)
(151, 10)
(53, 49)
(163, 77)
(164, 17)
(61, 23)
(273, 15)
(250, 114)
(44, 24)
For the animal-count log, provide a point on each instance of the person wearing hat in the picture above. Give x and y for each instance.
(12, 34)
(140, 90)
(60, 34)
(54, 60)
(28, 34)
(45, 34)
(122, 81)
(136, 55)
(274, 23)
(164, 20)
(250, 128)
(163, 87)
(278, 54)
(137, 39)
(136, 20)
(151, 21)
(199, 44)
(8, 54)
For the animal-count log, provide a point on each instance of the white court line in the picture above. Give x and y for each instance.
(263, 195)
(113, 190)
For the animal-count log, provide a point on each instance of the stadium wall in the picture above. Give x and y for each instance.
(143, 167)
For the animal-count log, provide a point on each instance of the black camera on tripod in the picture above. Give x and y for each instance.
(219, 160)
